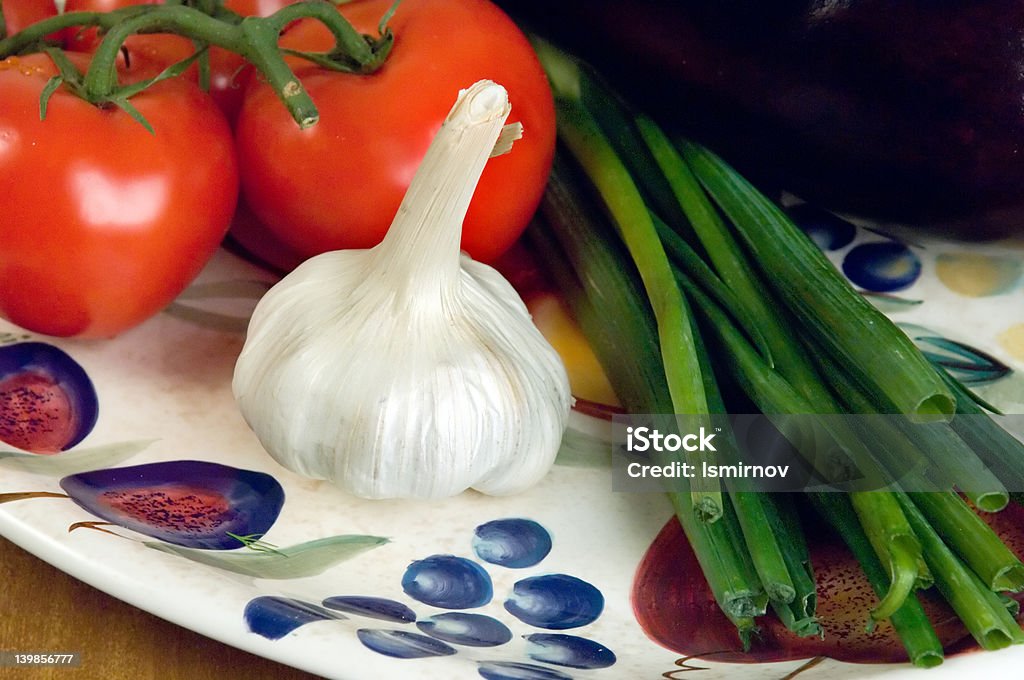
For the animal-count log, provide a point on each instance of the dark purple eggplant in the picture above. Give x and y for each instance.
(903, 110)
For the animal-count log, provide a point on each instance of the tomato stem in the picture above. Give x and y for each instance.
(260, 49)
(29, 38)
(254, 38)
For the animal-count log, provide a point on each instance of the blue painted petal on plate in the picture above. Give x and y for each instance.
(569, 650)
(401, 644)
(273, 617)
(448, 582)
(47, 401)
(555, 602)
(882, 266)
(510, 670)
(471, 630)
(191, 503)
(372, 607)
(514, 543)
(827, 230)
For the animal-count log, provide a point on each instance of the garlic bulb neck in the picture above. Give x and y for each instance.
(423, 240)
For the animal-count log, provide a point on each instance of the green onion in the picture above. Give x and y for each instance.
(772, 537)
(773, 395)
(933, 453)
(763, 545)
(978, 607)
(583, 137)
(894, 542)
(880, 514)
(733, 266)
(582, 249)
(1012, 606)
(999, 450)
(845, 323)
(685, 258)
(610, 307)
(909, 621)
(726, 565)
(772, 317)
(954, 463)
(973, 539)
(746, 629)
(799, 616)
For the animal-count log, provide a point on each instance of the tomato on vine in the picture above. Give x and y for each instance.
(106, 221)
(338, 184)
(229, 72)
(122, 189)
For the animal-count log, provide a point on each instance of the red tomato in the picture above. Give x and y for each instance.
(104, 222)
(21, 13)
(256, 8)
(338, 183)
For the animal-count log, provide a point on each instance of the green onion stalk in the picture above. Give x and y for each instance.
(846, 325)
(599, 281)
(587, 142)
(908, 620)
(745, 563)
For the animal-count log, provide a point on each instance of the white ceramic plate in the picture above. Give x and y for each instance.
(163, 394)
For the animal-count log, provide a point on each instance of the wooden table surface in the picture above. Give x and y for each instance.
(43, 609)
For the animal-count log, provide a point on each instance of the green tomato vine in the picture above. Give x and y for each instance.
(207, 23)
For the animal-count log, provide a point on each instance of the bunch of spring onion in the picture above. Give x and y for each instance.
(659, 246)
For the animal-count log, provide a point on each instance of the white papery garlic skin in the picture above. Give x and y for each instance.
(409, 370)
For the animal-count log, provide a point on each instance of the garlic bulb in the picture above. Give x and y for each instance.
(409, 369)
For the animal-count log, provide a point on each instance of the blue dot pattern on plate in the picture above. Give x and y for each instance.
(548, 601)
(882, 266)
(274, 617)
(828, 231)
(511, 670)
(555, 602)
(471, 630)
(402, 644)
(372, 607)
(514, 543)
(448, 582)
(568, 650)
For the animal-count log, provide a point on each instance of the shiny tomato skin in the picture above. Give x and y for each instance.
(104, 222)
(338, 183)
(21, 13)
(256, 8)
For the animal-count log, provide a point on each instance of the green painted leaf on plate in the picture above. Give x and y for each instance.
(890, 304)
(296, 561)
(73, 461)
(220, 305)
(582, 449)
